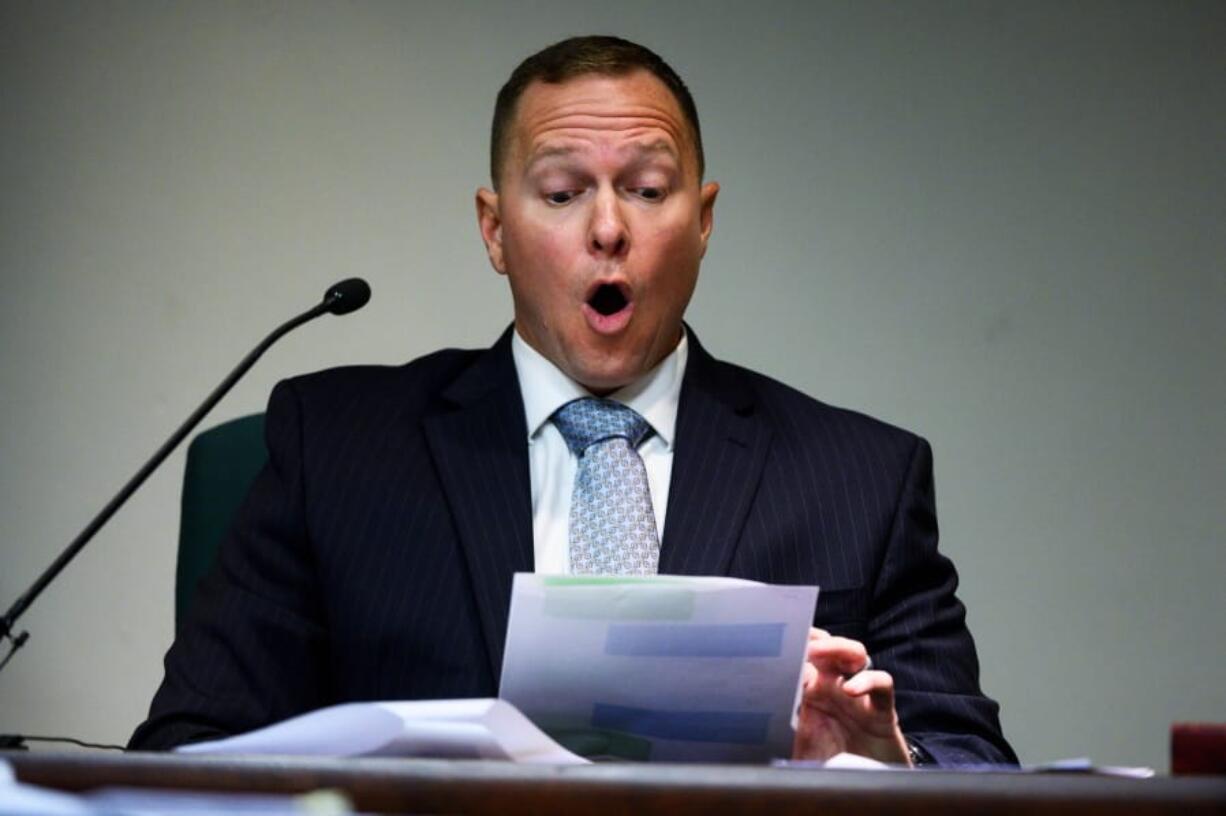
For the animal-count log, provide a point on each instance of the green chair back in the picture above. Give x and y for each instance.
(221, 465)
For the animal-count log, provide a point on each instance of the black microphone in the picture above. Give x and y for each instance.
(347, 296)
(340, 299)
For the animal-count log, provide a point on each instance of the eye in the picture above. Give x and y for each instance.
(560, 197)
(649, 193)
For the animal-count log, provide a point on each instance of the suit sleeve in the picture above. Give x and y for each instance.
(919, 635)
(253, 650)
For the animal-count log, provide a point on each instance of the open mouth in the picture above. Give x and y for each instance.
(609, 307)
(608, 299)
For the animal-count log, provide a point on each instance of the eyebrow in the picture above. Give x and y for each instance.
(555, 151)
(562, 151)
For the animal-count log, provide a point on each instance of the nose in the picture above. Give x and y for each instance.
(608, 235)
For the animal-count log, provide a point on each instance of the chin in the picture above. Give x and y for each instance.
(620, 363)
(602, 386)
(606, 378)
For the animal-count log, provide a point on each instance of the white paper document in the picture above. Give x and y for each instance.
(658, 668)
(441, 729)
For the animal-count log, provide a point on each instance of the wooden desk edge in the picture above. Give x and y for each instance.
(498, 787)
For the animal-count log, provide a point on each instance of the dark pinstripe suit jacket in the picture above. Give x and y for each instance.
(374, 555)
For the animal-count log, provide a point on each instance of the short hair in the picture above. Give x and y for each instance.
(581, 56)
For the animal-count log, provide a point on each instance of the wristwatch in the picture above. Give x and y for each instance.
(919, 757)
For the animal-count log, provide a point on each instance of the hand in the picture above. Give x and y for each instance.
(844, 708)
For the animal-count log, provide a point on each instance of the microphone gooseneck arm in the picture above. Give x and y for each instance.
(341, 298)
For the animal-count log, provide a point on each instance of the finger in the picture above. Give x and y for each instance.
(838, 654)
(877, 685)
(834, 645)
(867, 681)
(817, 634)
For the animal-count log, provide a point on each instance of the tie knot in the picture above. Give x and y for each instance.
(584, 422)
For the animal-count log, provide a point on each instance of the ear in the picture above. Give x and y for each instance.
(490, 223)
(706, 214)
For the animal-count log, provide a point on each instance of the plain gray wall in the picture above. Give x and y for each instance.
(997, 224)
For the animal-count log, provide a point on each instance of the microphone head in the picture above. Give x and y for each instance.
(347, 296)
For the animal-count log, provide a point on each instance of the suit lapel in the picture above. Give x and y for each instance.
(721, 446)
(481, 451)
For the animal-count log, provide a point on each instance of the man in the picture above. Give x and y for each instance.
(373, 559)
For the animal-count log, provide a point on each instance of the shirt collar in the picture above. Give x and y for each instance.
(545, 389)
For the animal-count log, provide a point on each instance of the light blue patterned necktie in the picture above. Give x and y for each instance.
(612, 525)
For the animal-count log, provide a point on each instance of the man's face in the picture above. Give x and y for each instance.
(600, 223)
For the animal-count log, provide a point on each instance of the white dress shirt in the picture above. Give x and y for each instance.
(551, 464)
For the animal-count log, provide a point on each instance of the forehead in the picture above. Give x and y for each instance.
(630, 108)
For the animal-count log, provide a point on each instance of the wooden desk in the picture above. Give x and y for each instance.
(437, 786)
